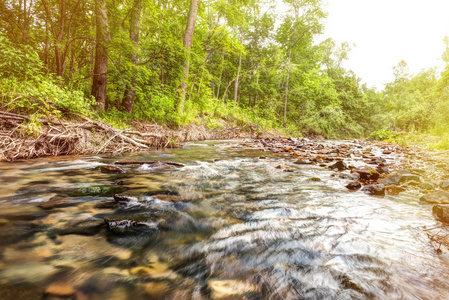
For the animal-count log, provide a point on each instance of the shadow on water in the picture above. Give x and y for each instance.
(229, 225)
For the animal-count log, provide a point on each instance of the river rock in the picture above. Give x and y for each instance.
(394, 189)
(354, 185)
(440, 197)
(101, 191)
(444, 184)
(442, 212)
(111, 169)
(377, 161)
(391, 179)
(427, 186)
(131, 227)
(368, 174)
(62, 290)
(339, 165)
(125, 199)
(59, 202)
(374, 189)
(382, 170)
(303, 162)
(409, 177)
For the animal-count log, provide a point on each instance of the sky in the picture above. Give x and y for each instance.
(387, 31)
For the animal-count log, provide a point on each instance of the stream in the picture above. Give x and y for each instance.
(234, 223)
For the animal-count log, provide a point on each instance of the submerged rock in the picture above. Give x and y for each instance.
(59, 202)
(102, 191)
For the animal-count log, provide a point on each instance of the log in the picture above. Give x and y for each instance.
(149, 162)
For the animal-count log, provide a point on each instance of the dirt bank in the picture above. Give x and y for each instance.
(20, 139)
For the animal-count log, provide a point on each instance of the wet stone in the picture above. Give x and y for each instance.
(427, 185)
(354, 185)
(131, 227)
(391, 179)
(101, 191)
(339, 165)
(442, 212)
(59, 202)
(303, 162)
(394, 189)
(440, 197)
(374, 189)
(409, 177)
(368, 174)
(111, 169)
(444, 184)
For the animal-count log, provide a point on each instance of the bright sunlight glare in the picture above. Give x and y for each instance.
(386, 32)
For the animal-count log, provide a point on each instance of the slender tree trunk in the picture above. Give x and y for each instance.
(288, 74)
(221, 76)
(134, 31)
(236, 84)
(101, 55)
(188, 37)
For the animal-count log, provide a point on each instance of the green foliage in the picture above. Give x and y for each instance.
(383, 134)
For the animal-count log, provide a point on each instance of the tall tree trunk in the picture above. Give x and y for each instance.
(58, 40)
(188, 37)
(134, 31)
(236, 84)
(101, 54)
(288, 74)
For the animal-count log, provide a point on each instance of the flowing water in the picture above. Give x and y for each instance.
(246, 230)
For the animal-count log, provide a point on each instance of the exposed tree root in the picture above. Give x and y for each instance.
(19, 140)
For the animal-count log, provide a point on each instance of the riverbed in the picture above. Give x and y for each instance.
(235, 222)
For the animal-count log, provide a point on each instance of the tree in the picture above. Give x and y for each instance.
(188, 37)
(99, 82)
(134, 31)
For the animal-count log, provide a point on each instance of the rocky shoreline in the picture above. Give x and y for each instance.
(392, 170)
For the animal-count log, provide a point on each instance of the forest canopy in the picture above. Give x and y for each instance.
(177, 62)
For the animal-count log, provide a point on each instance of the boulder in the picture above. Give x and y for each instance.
(442, 212)
(440, 197)
(374, 189)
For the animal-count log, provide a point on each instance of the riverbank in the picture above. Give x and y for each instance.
(24, 138)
